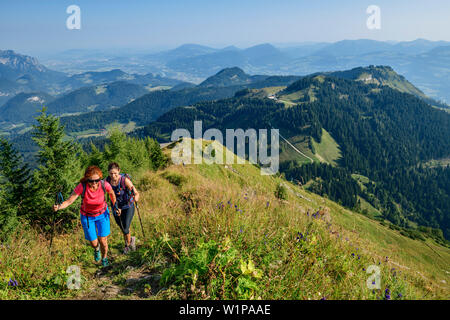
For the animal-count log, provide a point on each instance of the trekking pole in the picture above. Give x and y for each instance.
(118, 217)
(58, 200)
(139, 215)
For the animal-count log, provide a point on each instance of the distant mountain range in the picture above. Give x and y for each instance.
(23, 74)
(425, 63)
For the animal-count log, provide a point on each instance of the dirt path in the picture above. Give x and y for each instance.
(121, 280)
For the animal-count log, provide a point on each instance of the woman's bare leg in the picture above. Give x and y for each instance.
(103, 246)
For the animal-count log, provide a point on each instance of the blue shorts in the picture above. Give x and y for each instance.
(98, 226)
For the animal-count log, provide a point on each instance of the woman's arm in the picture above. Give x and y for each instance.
(131, 187)
(112, 196)
(66, 203)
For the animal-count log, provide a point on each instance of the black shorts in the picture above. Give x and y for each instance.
(125, 219)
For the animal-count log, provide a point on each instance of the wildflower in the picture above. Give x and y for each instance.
(364, 269)
(240, 230)
(267, 204)
(359, 257)
(353, 255)
(387, 294)
(13, 283)
(400, 295)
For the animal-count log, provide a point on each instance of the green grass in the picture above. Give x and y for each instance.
(368, 209)
(327, 150)
(219, 232)
(301, 143)
(125, 127)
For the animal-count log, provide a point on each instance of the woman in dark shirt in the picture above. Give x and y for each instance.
(126, 194)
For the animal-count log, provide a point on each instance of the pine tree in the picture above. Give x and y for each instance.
(58, 171)
(157, 157)
(14, 174)
(14, 184)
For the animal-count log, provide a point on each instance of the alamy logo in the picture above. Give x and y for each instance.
(374, 20)
(213, 153)
(74, 20)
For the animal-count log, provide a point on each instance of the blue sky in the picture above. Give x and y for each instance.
(30, 25)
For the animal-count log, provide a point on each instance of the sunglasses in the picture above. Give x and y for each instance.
(92, 181)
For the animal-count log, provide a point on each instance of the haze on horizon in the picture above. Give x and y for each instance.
(40, 26)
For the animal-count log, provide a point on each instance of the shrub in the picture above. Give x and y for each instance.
(174, 178)
(281, 192)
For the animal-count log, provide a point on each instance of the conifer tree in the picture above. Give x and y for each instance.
(157, 158)
(14, 184)
(59, 170)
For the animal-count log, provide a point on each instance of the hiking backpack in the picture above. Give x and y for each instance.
(128, 196)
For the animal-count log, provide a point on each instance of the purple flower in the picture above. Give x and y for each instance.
(13, 283)
(387, 294)
(267, 204)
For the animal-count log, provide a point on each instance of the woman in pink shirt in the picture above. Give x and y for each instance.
(94, 212)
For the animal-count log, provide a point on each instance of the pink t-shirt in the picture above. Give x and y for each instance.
(94, 201)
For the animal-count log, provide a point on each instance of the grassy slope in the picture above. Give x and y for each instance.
(327, 150)
(181, 208)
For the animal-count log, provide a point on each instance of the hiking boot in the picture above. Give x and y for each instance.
(97, 255)
(105, 262)
(133, 244)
